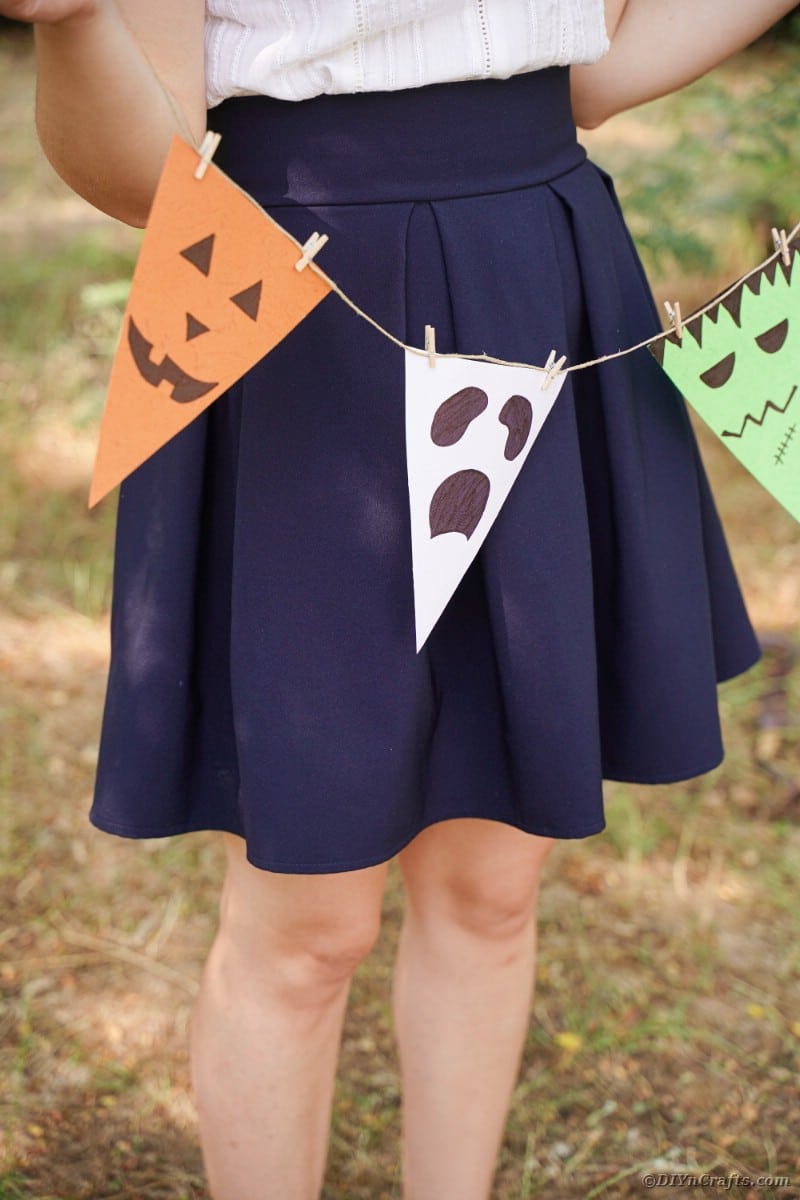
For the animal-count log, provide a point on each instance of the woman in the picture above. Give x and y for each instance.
(324, 723)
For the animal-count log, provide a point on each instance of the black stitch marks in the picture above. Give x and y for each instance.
(784, 446)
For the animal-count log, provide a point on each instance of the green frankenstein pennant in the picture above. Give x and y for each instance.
(738, 365)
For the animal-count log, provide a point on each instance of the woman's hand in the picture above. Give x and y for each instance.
(47, 12)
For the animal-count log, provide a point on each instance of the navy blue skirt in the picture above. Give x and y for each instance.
(264, 678)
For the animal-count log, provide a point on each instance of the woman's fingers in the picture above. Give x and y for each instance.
(46, 12)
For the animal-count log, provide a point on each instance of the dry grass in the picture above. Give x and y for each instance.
(666, 1030)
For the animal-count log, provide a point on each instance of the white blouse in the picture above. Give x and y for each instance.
(295, 49)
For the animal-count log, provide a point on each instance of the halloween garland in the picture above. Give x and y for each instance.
(472, 422)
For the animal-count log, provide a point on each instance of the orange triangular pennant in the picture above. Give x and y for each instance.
(214, 290)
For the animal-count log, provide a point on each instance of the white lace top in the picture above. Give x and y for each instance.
(294, 49)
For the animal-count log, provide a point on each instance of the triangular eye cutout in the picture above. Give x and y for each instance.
(199, 253)
(249, 300)
(194, 327)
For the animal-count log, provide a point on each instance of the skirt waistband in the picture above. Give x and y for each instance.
(443, 141)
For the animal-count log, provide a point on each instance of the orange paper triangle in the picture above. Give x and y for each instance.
(214, 290)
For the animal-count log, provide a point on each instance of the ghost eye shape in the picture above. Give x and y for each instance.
(720, 373)
(517, 415)
(455, 415)
(773, 338)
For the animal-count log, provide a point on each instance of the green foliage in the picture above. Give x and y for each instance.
(45, 287)
(13, 1187)
(786, 30)
(721, 169)
(53, 549)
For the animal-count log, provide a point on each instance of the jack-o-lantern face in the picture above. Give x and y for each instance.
(187, 387)
(737, 364)
(215, 288)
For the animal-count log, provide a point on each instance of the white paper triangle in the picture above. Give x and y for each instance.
(469, 429)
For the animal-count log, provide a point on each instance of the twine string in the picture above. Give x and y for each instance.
(567, 370)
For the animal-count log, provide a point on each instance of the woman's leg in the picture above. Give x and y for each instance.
(266, 1030)
(463, 989)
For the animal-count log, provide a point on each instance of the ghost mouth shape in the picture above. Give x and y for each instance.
(185, 387)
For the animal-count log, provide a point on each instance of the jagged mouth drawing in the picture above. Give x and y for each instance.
(185, 387)
(770, 404)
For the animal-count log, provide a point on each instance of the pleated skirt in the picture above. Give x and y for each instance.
(264, 678)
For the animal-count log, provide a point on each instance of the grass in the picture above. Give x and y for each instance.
(665, 1034)
(704, 175)
(47, 291)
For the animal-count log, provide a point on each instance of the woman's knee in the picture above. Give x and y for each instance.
(489, 889)
(302, 934)
(498, 908)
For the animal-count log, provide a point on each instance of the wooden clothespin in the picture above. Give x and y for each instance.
(208, 148)
(430, 345)
(675, 319)
(781, 243)
(551, 368)
(310, 248)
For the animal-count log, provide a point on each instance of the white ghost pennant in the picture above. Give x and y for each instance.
(469, 428)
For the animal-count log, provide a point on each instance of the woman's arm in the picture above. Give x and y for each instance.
(116, 79)
(658, 46)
